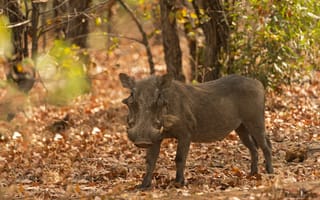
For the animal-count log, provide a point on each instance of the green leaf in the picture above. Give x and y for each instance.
(6, 47)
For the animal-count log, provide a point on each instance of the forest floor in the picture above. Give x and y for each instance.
(88, 155)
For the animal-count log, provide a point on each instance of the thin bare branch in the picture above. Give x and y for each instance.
(143, 33)
(19, 24)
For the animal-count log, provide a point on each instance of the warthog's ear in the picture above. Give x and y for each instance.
(169, 121)
(164, 81)
(127, 81)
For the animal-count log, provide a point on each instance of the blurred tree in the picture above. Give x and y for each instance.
(74, 24)
(17, 19)
(21, 72)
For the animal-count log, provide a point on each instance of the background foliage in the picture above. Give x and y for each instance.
(63, 73)
(270, 40)
(273, 40)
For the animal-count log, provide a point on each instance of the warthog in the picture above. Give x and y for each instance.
(160, 107)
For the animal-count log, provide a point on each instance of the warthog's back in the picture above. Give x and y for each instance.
(220, 106)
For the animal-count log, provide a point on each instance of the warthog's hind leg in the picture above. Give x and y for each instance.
(258, 134)
(247, 140)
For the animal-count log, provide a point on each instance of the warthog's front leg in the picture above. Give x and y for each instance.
(181, 157)
(151, 159)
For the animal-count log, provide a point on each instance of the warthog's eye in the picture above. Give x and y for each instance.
(157, 124)
(130, 122)
(133, 109)
(131, 103)
(128, 100)
(125, 101)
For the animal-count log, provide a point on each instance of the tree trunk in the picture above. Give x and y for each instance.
(216, 32)
(192, 44)
(75, 24)
(170, 38)
(12, 10)
(110, 14)
(34, 28)
(79, 24)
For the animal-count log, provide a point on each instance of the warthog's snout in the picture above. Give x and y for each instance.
(144, 138)
(143, 143)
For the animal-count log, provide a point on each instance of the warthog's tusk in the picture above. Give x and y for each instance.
(161, 130)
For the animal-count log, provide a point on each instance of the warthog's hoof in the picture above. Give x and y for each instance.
(143, 187)
(179, 183)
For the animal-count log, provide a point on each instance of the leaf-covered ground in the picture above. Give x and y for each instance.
(81, 151)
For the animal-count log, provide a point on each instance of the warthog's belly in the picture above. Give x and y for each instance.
(215, 131)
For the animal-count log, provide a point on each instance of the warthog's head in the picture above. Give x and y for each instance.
(147, 118)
